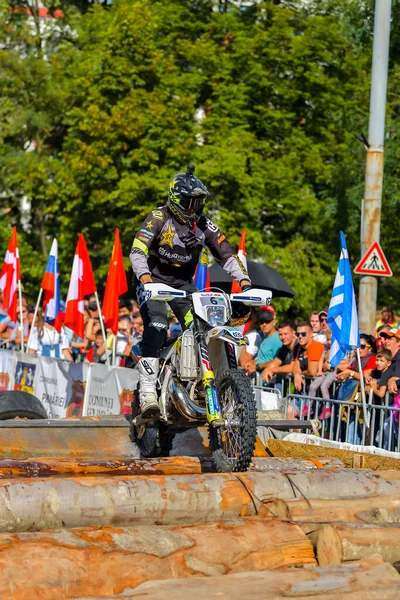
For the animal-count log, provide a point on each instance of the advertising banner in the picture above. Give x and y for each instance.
(101, 396)
(24, 372)
(6, 362)
(68, 389)
(126, 380)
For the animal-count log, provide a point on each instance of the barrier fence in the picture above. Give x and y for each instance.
(69, 389)
(343, 421)
(82, 389)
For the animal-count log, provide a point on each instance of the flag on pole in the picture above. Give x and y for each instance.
(202, 275)
(235, 285)
(242, 256)
(81, 284)
(342, 314)
(116, 285)
(51, 287)
(9, 276)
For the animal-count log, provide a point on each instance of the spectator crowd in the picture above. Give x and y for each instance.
(286, 356)
(45, 340)
(298, 355)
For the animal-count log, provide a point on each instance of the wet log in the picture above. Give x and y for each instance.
(339, 543)
(36, 504)
(47, 467)
(175, 465)
(370, 579)
(348, 457)
(110, 560)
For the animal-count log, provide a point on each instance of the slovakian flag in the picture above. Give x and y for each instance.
(202, 275)
(116, 285)
(51, 287)
(9, 275)
(81, 284)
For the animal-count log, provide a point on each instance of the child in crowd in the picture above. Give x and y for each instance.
(100, 351)
(383, 362)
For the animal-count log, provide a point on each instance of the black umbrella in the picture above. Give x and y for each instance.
(261, 276)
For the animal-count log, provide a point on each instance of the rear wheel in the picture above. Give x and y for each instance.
(232, 445)
(152, 441)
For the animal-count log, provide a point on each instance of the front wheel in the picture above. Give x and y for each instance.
(232, 445)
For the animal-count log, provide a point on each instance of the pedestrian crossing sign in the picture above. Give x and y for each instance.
(374, 262)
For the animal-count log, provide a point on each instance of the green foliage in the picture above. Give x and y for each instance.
(97, 113)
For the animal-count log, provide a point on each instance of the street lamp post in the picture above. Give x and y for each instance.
(371, 211)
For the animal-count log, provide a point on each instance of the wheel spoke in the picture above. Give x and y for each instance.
(230, 435)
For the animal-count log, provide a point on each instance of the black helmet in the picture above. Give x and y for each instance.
(186, 196)
(241, 313)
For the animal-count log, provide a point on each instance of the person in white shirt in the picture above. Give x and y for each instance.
(254, 339)
(47, 341)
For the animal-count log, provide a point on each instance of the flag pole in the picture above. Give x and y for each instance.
(364, 401)
(20, 315)
(28, 345)
(103, 331)
(114, 349)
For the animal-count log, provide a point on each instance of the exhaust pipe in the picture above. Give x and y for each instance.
(183, 403)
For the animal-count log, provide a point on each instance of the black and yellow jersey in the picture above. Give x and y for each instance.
(169, 251)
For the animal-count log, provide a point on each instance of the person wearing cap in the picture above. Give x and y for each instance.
(270, 343)
(391, 377)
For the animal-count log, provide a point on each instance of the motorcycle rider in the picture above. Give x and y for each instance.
(166, 249)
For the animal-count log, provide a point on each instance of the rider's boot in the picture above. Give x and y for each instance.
(148, 372)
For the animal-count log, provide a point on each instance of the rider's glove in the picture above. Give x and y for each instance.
(246, 288)
(190, 239)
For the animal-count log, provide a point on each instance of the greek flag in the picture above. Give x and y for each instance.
(342, 313)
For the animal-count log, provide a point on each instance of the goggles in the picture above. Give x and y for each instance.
(194, 203)
(363, 346)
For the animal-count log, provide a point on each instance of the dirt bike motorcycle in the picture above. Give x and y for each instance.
(199, 382)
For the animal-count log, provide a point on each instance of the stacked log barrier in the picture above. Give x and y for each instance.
(308, 496)
(176, 465)
(110, 560)
(370, 579)
(347, 542)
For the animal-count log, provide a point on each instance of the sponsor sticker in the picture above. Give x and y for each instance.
(210, 401)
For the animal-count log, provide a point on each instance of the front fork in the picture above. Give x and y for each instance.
(208, 377)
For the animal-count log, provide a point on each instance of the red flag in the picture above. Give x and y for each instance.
(235, 286)
(90, 354)
(242, 255)
(10, 274)
(81, 284)
(115, 287)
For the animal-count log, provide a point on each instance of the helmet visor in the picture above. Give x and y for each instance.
(194, 203)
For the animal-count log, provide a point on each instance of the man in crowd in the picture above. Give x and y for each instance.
(138, 327)
(124, 307)
(284, 358)
(270, 343)
(391, 377)
(387, 318)
(307, 355)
